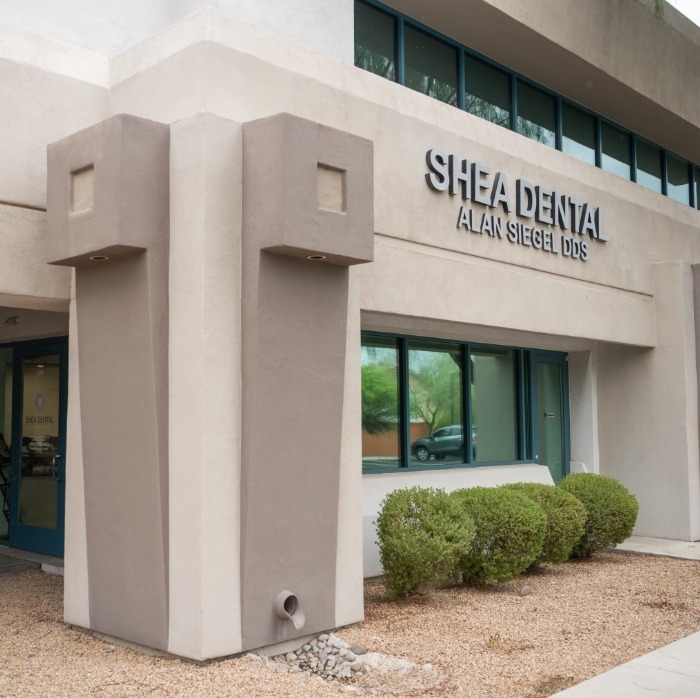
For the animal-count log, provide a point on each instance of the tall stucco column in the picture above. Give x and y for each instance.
(205, 387)
(108, 194)
(308, 216)
(648, 412)
(583, 392)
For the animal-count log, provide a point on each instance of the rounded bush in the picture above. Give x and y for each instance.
(421, 534)
(510, 530)
(612, 511)
(566, 519)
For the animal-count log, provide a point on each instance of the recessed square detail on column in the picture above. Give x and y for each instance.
(308, 190)
(107, 191)
(330, 188)
(82, 189)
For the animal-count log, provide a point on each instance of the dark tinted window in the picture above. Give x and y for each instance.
(616, 151)
(431, 65)
(578, 134)
(678, 179)
(536, 114)
(487, 92)
(375, 41)
(649, 166)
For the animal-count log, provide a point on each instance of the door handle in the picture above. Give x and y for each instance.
(54, 468)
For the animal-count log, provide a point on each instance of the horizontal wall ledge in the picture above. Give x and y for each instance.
(417, 282)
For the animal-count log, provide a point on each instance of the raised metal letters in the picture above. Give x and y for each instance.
(472, 181)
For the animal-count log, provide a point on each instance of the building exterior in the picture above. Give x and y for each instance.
(263, 263)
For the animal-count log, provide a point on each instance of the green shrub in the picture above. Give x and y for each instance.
(510, 531)
(422, 532)
(612, 511)
(566, 519)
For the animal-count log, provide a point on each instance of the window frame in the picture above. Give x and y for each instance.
(526, 439)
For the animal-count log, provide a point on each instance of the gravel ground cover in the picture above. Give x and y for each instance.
(524, 639)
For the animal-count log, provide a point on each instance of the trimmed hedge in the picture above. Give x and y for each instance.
(510, 530)
(566, 519)
(612, 511)
(421, 534)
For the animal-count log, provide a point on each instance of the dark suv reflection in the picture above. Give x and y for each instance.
(443, 442)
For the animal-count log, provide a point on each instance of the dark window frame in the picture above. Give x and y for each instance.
(524, 402)
(463, 52)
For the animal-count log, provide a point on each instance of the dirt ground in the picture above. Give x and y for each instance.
(580, 619)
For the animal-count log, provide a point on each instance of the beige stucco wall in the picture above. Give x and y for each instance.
(648, 411)
(37, 75)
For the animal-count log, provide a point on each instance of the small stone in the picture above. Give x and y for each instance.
(321, 645)
(306, 648)
(31, 654)
(342, 652)
(350, 656)
(525, 591)
(337, 642)
(358, 667)
(358, 649)
(427, 667)
(322, 638)
(290, 656)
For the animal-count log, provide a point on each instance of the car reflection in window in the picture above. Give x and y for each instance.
(443, 442)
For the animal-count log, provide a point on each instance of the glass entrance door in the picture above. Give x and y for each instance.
(551, 406)
(37, 451)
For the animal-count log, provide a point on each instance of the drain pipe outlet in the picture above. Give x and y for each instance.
(287, 607)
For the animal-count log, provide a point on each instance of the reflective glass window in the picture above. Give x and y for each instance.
(431, 65)
(380, 404)
(494, 405)
(487, 92)
(5, 437)
(678, 179)
(615, 148)
(375, 41)
(649, 166)
(536, 114)
(435, 402)
(578, 134)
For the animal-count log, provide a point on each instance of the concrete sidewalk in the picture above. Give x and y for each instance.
(670, 672)
(13, 560)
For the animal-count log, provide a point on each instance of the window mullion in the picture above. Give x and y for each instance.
(401, 52)
(405, 408)
(467, 404)
(523, 406)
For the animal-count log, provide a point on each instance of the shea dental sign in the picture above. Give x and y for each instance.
(571, 224)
